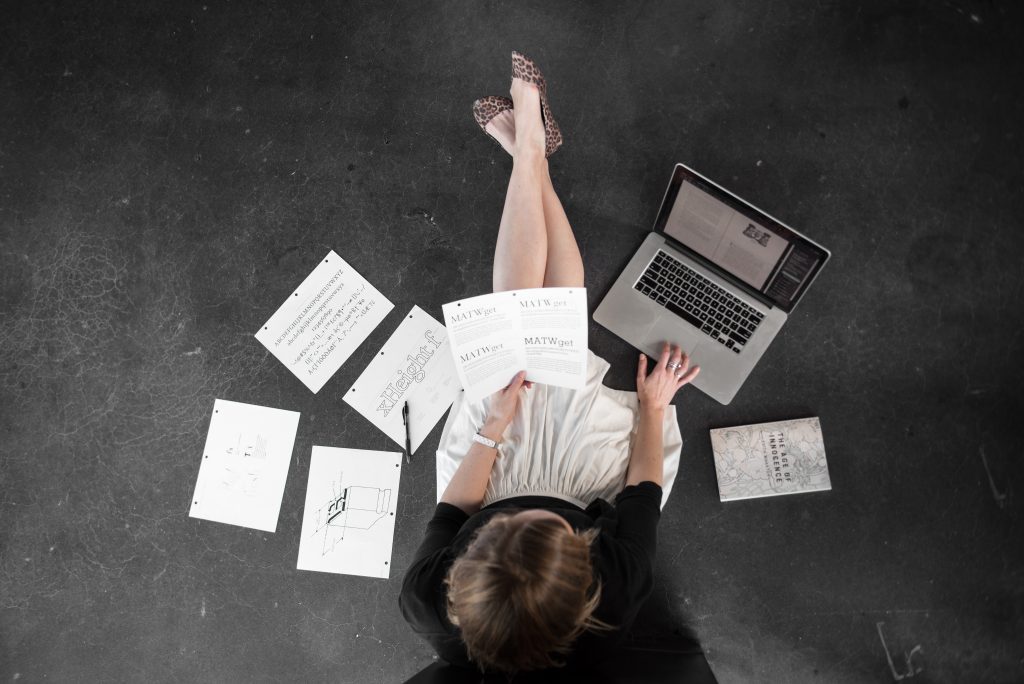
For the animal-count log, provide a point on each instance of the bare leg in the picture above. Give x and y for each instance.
(521, 252)
(564, 263)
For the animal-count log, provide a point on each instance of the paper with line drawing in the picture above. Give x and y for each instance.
(323, 321)
(348, 525)
(244, 465)
(414, 365)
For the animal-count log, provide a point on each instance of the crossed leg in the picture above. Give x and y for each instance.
(536, 246)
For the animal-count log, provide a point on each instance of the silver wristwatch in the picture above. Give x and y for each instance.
(480, 439)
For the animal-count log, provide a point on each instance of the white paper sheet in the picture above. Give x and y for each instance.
(245, 465)
(323, 321)
(542, 331)
(348, 526)
(414, 365)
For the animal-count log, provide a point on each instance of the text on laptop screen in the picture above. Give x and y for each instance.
(739, 244)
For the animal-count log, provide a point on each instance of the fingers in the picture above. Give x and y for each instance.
(684, 363)
(676, 355)
(682, 373)
(689, 376)
(517, 382)
(665, 353)
(641, 369)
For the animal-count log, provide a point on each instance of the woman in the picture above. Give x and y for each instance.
(525, 564)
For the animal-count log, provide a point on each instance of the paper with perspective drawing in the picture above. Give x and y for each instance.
(414, 365)
(348, 525)
(542, 331)
(323, 321)
(244, 465)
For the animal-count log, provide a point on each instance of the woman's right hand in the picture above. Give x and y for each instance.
(504, 404)
(656, 390)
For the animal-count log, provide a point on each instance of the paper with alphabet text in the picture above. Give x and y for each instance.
(244, 465)
(542, 331)
(414, 365)
(323, 321)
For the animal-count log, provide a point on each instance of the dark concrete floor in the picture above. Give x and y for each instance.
(169, 171)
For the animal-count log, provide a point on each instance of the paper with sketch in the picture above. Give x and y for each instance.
(323, 321)
(414, 365)
(348, 525)
(245, 465)
(542, 331)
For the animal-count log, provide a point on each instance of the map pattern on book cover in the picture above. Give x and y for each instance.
(769, 459)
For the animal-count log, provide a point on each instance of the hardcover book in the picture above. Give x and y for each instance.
(770, 459)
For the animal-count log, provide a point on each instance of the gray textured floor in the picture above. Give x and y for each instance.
(170, 171)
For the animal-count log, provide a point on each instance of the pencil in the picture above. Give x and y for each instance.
(408, 442)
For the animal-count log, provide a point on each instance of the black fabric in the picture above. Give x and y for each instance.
(622, 555)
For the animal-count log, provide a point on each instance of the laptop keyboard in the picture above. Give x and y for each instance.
(694, 298)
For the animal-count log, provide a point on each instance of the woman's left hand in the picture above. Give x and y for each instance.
(656, 390)
(504, 403)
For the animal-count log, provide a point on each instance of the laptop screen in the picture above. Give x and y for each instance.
(747, 244)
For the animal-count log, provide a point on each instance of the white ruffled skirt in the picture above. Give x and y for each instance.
(569, 444)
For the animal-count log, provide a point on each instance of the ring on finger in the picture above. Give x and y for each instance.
(673, 364)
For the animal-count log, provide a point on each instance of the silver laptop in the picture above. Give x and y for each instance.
(717, 276)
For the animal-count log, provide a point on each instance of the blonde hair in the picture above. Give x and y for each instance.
(522, 592)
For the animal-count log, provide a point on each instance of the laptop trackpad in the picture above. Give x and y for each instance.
(671, 329)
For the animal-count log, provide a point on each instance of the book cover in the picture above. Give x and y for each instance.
(770, 459)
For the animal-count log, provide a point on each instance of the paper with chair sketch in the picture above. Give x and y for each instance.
(414, 365)
(244, 465)
(323, 321)
(348, 525)
(542, 331)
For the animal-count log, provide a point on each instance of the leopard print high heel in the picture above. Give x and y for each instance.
(524, 68)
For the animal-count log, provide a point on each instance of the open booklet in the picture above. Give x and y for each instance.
(542, 331)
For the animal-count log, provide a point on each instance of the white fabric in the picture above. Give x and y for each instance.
(570, 444)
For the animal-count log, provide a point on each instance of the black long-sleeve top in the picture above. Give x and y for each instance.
(622, 556)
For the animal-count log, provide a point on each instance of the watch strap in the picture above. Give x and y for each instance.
(480, 439)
